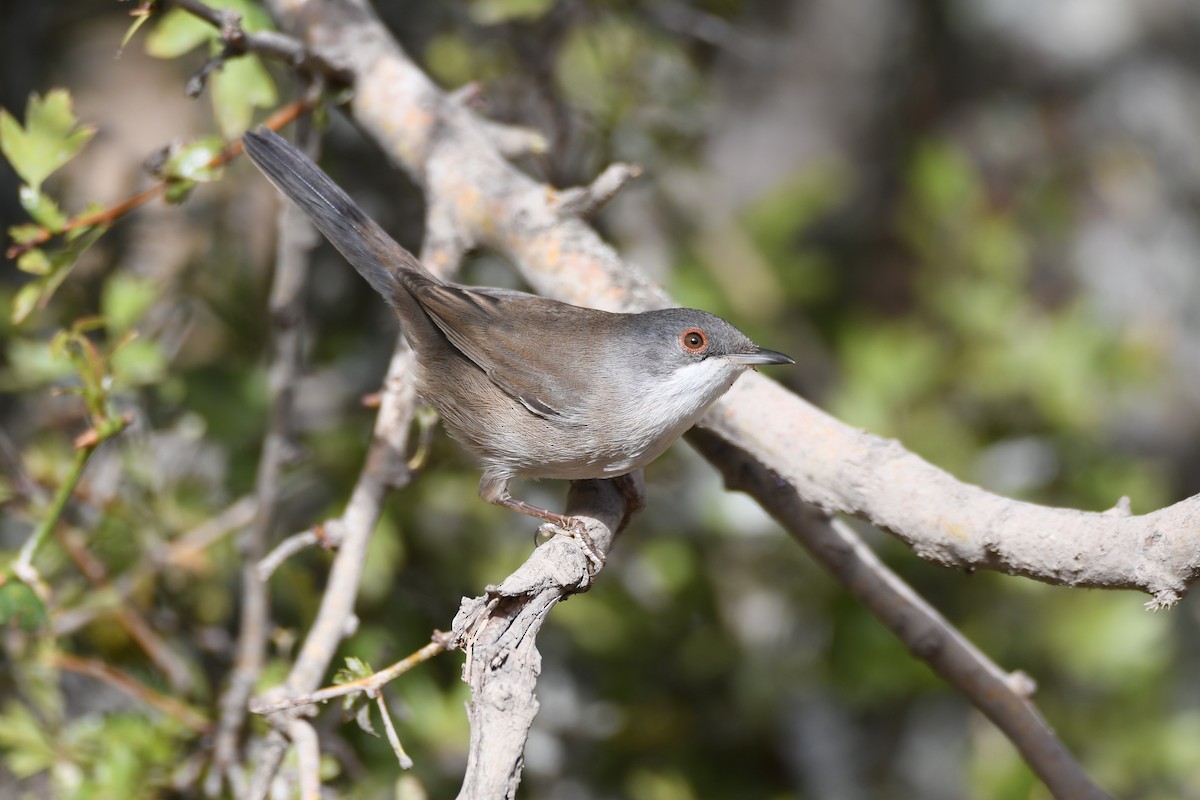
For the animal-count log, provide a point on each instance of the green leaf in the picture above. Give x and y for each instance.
(38, 292)
(355, 669)
(20, 607)
(124, 300)
(23, 739)
(139, 362)
(32, 364)
(42, 208)
(23, 234)
(26, 301)
(178, 190)
(242, 85)
(140, 17)
(192, 161)
(34, 261)
(494, 12)
(178, 32)
(363, 718)
(52, 136)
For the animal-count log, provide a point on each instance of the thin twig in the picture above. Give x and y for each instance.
(369, 683)
(86, 444)
(101, 671)
(272, 44)
(927, 634)
(134, 624)
(107, 216)
(393, 738)
(296, 239)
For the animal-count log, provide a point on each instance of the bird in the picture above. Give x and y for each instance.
(534, 387)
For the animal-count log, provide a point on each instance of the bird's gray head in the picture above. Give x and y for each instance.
(671, 338)
(674, 363)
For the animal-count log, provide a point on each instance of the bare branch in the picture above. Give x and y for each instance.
(308, 758)
(586, 201)
(370, 684)
(498, 633)
(513, 141)
(386, 467)
(1003, 697)
(296, 239)
(101, 671)
(949, 522)
(271, 44)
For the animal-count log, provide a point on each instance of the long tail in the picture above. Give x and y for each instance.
(375, 255)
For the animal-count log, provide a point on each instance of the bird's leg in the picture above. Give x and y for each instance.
(495, 490)
(633, 489)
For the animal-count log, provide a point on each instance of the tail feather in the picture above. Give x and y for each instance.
(367, 247)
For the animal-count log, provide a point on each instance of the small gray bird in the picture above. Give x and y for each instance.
(534, 387)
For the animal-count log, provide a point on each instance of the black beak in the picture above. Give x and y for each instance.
(759, 357)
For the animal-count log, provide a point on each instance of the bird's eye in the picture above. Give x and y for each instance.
(694, 340)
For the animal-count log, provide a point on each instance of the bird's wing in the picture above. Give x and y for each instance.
(518, 340)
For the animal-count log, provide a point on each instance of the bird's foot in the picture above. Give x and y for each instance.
(575, 529)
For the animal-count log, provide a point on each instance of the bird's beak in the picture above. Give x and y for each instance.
(759, 356)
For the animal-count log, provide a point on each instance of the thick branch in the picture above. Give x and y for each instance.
(838, 468)
(498, 631)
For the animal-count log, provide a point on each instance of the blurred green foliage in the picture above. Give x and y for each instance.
(712, 656)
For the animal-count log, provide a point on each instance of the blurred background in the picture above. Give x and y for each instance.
(975, 223)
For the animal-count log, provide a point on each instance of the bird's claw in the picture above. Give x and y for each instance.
(577, 531)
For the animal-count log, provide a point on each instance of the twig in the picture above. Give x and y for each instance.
(181, 552)
(134, 624)
(85, 445)
(586, 201)
(328, 534)
(296, 239)
(308, 758)
(513, 141)
(393, 738)
(107, 216)
(101, 671)
(272, 44)
(385, 467)
(370, 683)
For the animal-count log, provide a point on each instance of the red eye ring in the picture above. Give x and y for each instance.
(693, 340)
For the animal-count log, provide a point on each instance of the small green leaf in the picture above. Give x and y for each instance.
(139, 362)
(52, 136)
(32, 363)
(26, 301)
(363, 718)
(192, 161)
(495, 12)
(23, 234)
(178, 32)
(38, 292)
(178, 190)
(20, 607)
(355, 669)
(42, 208)
(123, 301)
(242, 85)
(23, 738)
(34, 261)
(140, 17)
